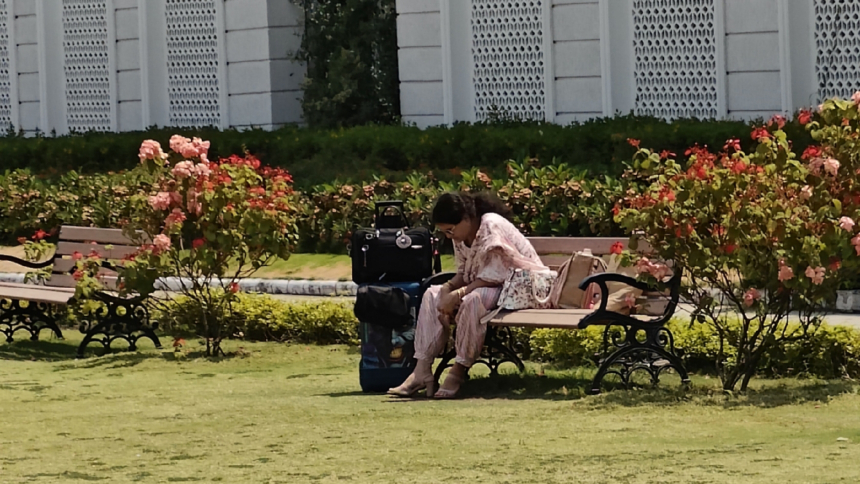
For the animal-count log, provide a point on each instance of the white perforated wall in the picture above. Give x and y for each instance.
(193, 63)
(5, 80)
(86, 65)
(675, 58)
(509, 63)
(837, 47)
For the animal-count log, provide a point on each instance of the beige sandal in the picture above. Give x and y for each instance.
(448, 393)
(411, 387)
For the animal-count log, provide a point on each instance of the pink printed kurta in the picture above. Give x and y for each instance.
(498, 249)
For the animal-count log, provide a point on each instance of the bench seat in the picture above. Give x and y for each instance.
(548, 318)
(30, 292)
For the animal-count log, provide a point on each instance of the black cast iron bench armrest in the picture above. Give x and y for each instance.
(25, 263)
(604, 316)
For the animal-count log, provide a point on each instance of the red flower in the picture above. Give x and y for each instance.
(729, 248)
(40, 234)
(178, 342)
(804, 117)
(777, 120)
(811, 152)
(665, 154)
(633, 142)
(759, 133)
(616, 210)
(739, 167)
(617, 248)
(198, 243)
(94, 254)
(78, 275)
(234, 288)
(846, 122)
(733, 143)
(22, 240)
(77, 256)
(835, 264)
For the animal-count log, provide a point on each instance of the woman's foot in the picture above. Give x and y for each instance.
(420, 379)
(409, 388)
(451, 386)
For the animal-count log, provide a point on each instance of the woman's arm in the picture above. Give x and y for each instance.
(455, 283)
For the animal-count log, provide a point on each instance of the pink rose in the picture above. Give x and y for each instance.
(188, 150)
(856, 243)
(856, 98)
(815, 166)
(151, 150)
(201, 146)
(177, 142)
(630, 301)
(161, 242)
(806, 192)
(817, 274)
(183, 169)
(161, 201)
(202, 169)
(176, 217)
(751, 296)
(785, 273)
(831, 166)
(846, 223)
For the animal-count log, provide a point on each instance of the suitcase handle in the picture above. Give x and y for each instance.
(385, 205)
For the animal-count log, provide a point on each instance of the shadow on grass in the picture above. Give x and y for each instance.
(27, 350)
(575, 385)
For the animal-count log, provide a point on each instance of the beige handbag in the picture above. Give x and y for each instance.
(566, 293)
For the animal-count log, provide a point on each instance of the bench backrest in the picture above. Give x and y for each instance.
(85, 240)
(553, 251)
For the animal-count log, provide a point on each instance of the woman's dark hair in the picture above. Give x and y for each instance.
(453, 207)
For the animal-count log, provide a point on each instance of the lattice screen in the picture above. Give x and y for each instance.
(193, 63)
(508, 52)
(676, 58)
(5, 80)
(86, 65)
(837, 47)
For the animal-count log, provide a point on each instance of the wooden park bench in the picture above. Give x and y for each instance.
(33, 308)
(630, 343)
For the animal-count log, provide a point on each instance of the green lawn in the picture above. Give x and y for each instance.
(295, 414)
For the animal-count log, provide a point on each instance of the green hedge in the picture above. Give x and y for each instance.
(262, 318)
(832, 352)
(316, 156)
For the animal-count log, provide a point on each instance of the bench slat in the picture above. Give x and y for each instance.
(63, 266)
(569, 245)
(94, 234)
(117, 252)
(35, 293)
(64, 280)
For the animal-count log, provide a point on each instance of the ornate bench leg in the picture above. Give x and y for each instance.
(127, 320)
(32, 317)
(654, 356)
(500, 349)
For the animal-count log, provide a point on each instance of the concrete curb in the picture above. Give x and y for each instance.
(265, 286)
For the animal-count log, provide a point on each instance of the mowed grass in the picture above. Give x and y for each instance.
(295, 414)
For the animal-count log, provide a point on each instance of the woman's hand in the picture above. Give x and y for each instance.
(448, 303)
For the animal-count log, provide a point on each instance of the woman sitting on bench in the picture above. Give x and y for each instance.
(487, 247)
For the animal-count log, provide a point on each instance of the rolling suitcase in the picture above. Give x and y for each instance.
(387, 337)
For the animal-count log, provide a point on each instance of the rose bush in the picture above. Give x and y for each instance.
(208, 223)
(767, 232)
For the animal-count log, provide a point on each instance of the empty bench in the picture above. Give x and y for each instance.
(33, 308)
(631, 343)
